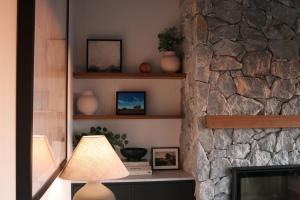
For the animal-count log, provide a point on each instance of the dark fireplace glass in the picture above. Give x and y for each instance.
(266, 183)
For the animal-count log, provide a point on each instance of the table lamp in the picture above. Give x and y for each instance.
(93, 161)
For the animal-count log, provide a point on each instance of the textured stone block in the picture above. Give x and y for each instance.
(292, 107)
(239, 105)
(226, 85)
(268, 143)
(200, 163)
(273, 106)
(283, 13)
(298, 26)
(201, 29)
(206, 139)
(203, 60)
(222, 138)
(201, 95)
(206, 190)
(240, 163)
(205, 6)
(225, 63)
(252, 87)
(228, 11)
(230, 32)
(257, 64)
(216, 154)
(255, 18)
(284, 142)
(294, 158)
(285, 49)
(284, 89)
(242, 136)
(286, 69)
(227, 48)
(281, 158)
(260, 158)
(220, 168)
(214, 23)
(217, 104)
(238, 151)
(223, 186)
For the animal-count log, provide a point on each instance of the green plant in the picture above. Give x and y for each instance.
(116, 140)
(170, 39)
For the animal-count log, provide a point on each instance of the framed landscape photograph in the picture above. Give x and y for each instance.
(104, 55)
(165, 158)
(131, 103)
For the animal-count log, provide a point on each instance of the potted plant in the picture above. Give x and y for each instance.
(169, 44)
(116, 140)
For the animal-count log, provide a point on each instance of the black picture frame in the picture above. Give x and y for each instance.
(174, 167)
(24, 101)
(118, 93)
(94, 68)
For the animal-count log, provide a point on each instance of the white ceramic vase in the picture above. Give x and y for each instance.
(169, 62)
(87, 103)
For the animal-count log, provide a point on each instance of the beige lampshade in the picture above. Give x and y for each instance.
(94, 159)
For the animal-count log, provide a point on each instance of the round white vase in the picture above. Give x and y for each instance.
(169, 62)
(87, 103)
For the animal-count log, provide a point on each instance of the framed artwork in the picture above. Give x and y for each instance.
(104, 55)
(131, 103)
(42, 88)
(165, 158)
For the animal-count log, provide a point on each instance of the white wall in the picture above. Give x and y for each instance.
(137, 22)
(8, 14)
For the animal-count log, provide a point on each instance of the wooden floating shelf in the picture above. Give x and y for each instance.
(118, 117)
(255, 121)
(95, 75)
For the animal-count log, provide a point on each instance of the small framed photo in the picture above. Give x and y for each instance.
(131, 103)
(165, 158)
(104, 55)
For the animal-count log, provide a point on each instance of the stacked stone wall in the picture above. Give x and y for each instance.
(241, 58)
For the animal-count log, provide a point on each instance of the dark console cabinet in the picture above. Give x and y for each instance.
(160, 190)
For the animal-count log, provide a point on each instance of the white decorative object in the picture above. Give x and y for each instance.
(87, 103)
(169, 61)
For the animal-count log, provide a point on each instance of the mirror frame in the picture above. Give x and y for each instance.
(24, 105)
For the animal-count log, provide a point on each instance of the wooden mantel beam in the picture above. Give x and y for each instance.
(252, 121)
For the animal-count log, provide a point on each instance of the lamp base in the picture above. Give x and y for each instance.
(94, 191)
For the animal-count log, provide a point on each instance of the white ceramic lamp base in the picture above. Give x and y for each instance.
(94, 191)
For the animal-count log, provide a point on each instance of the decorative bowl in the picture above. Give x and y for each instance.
(133, 154)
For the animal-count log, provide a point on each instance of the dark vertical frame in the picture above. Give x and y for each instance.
(24, 101)
(109, 40)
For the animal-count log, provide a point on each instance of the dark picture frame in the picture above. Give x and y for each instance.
(165, 158)
(110, 49)
(26, 23)
(130, 99)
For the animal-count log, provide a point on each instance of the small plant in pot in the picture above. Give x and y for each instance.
(170, 41)
(117, 141)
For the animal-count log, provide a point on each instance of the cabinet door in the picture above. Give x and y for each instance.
(183, 190)
(122, 191)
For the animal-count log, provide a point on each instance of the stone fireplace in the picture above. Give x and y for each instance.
(241, 58)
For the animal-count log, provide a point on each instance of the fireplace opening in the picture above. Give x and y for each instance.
(266, 183)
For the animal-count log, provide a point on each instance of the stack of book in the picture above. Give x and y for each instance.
(138, 168)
